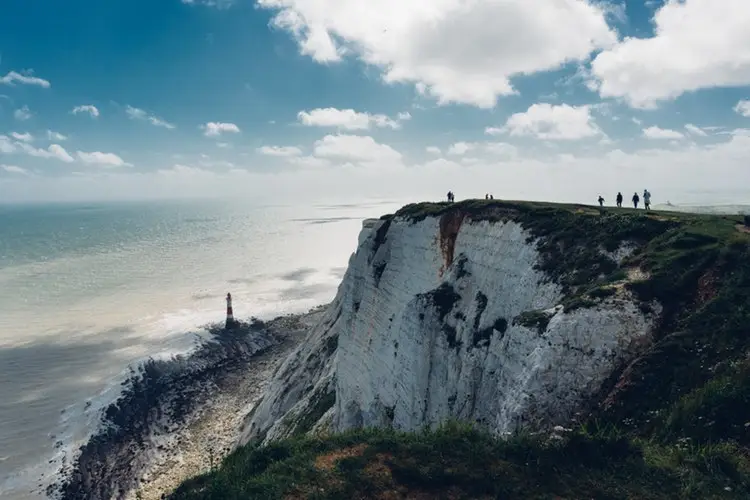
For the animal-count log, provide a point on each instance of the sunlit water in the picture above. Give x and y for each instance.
(87, 290)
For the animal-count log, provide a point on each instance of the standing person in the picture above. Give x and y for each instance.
(647, 199)
(601, 201)
(636, 199)
(619, 199)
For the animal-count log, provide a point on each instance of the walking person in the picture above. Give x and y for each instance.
(636, 199)
(601, 201)
(619, 199)
(647, 199)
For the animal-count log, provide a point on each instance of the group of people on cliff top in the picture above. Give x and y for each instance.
(635, 199)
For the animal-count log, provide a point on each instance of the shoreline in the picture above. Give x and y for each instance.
(176, 418)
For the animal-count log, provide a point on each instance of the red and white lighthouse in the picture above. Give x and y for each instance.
(230, 315)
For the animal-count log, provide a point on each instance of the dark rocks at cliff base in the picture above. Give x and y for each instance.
(159, 395)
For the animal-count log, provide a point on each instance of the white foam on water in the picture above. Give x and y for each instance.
(179, 332)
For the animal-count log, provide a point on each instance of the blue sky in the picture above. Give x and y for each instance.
(552, 99)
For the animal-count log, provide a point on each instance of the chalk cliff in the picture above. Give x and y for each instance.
(503, 314)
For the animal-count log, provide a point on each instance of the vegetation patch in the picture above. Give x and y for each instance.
(380, 235)
(481, 306)
(444, 298)
(461, 265)
(331, 344)
(485, 334)
(582, 301)
(451, 336)
(602, 292)
(533, 319)
(456, 461)
(717, 411)
(377, 272)
(320, 403)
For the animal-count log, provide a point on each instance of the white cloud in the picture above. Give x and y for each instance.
(348, 119)
(743, 108)
(547, 121)
(6, 145)
(661, 133)
(434, 150)
(501, 149)
(355, 148)
(223, 145)
(695, 130)
(86, 108)
(697, 44)
(215, 129)
(185, 170)
(25, 79)
(140, 114)
(309, 162)
(460, 148)
(25, 137)
(14, 169)
(53, 151)
(56, 136)
(103, 159)
(453, 50)
(676, 174)
(497, 150)
(23, 114)
(285, 151)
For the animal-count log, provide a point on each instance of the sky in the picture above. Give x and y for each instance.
(285, 99)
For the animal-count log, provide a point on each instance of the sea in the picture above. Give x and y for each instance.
(89, 290)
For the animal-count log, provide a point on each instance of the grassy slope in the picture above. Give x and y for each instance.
(675, 419)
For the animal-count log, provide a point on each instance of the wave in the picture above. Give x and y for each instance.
(158, 397)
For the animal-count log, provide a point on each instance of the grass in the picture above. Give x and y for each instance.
(456, 461)
(675, 423)
(534, 319)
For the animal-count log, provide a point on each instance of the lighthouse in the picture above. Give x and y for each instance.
(230, 315)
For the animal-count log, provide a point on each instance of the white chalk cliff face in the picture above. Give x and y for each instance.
(428, 324)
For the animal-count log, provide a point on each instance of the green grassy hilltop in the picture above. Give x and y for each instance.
(674, 423)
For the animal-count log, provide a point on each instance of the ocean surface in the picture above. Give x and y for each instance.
(88, 290)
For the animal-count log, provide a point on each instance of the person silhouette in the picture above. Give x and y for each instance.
(601, 201)
(619, 199)
(636, 199)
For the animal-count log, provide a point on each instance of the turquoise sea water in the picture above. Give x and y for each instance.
(86, 290)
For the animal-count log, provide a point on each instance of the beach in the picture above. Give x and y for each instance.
(181, 417)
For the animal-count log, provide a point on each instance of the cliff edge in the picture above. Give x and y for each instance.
(519, 317)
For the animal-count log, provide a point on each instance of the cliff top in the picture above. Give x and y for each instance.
(493, 210)
(674, 423)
